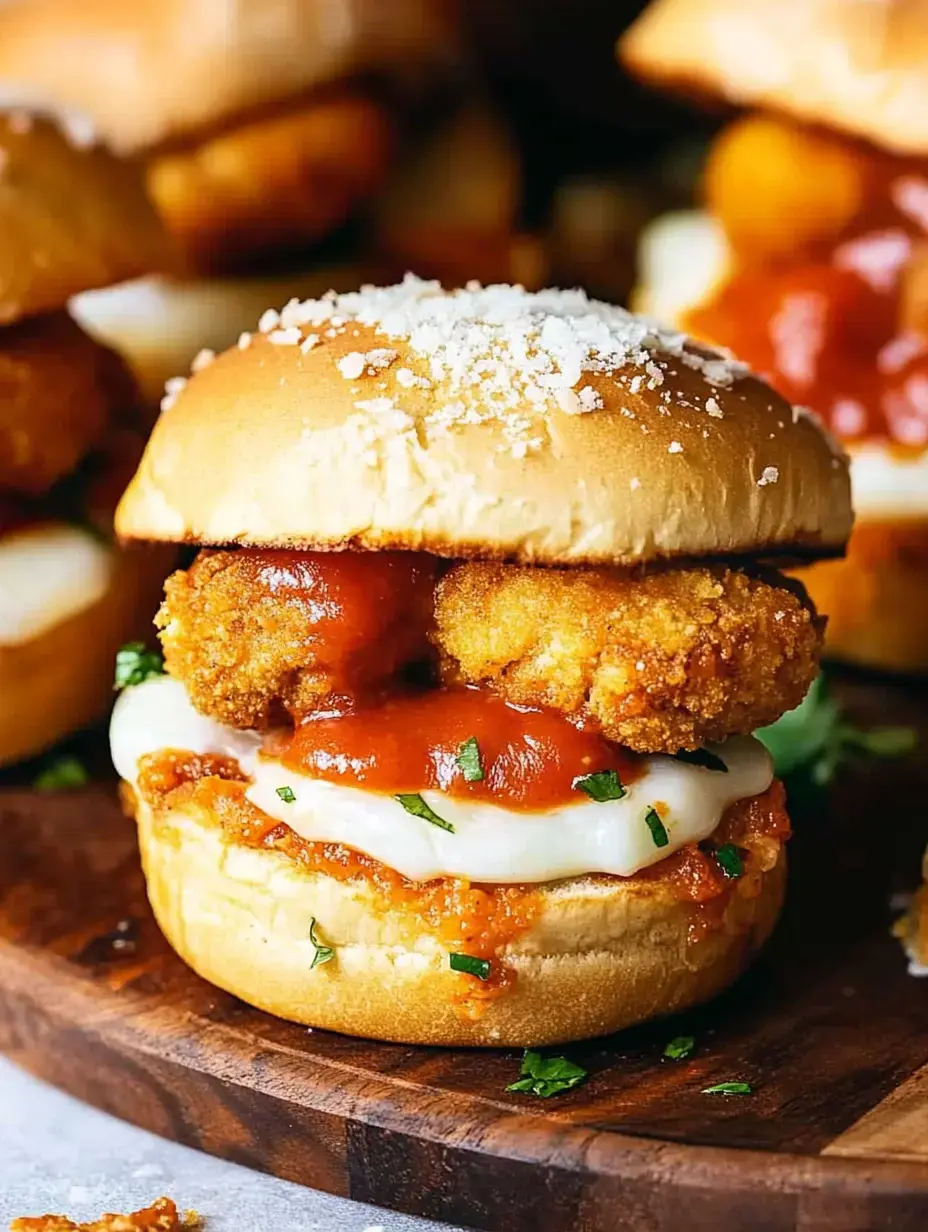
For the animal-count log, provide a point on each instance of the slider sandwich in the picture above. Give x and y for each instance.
(811, 261)
(258, 122)
(71, 216)
(262, 126)
(453, 741)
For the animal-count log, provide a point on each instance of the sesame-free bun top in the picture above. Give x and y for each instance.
(157, 70)
(488, 422)
(858, 67)
(72, 216)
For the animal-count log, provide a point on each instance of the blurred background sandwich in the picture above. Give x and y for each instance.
(810, 260)
(72, 216)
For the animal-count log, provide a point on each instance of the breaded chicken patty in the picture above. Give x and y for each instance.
(260, 636)
(661, 662)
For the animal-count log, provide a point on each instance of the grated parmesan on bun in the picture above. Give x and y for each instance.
(451, 743)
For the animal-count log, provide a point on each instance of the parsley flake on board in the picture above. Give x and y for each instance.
(728, 858)
(286, 794)
(324, 953)
(63, 774)
(135, 664)
(729, 1088)
(703, 758)
(468, 760)
(657, 828)
(815, 738)
(470, 965)
(681, 1047)
(547, 1076)
(413, 803)
(602, 786)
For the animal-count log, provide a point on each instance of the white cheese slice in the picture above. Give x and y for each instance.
(489, 843)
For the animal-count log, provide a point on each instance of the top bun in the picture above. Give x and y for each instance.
(859, 67)
(155, 70)
(74, 217)
(489, 422)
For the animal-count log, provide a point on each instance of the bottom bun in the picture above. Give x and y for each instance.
(62, 679)
(876, 598)
(598, 954)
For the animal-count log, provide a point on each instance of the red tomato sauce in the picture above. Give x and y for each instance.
(840, 326)
(529, 757)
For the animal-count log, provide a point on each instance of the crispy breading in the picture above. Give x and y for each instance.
(257, 636)
(59, 390)
(161, 1216)
(665, 661)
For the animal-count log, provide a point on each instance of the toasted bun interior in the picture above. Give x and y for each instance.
(489, 423)
(602, 953)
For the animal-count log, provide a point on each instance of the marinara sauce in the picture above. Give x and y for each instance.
(527, 758)
(841, 324)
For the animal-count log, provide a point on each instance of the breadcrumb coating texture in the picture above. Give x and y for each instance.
(660, 662)
(260, 637)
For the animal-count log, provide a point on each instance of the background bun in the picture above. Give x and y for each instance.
(489, 423)
(139, 70)
(859, 67)
(603, 954)
(74, 217)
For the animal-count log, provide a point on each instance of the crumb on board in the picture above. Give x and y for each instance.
(161, 1216)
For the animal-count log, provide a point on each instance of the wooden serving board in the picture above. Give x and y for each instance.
(828, 1028)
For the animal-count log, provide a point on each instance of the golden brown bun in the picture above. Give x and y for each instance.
(876, 599)
(600, 956)
(74, 216)
(154, 70)
(859, 67)
(276, 446)
(274, 182)
(62, 680)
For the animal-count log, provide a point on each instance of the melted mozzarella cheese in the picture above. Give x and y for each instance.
(489, 843)
(48, 573)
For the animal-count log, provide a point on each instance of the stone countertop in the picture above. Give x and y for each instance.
(58, 1155)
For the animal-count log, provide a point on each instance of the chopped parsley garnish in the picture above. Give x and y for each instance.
(729, 1088)
(729, 860)
(413, 803)
(656, 826)
(472, 966)
(679, 1048)
(135, 664)
(286, 794)
(468, 760)
(63, 774)
(816, 738)
(702, 757)
(602, 786)
(324, 953)
(546, 1076)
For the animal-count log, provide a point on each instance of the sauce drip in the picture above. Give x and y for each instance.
(361, 616)
(530, 757)
(838, 322)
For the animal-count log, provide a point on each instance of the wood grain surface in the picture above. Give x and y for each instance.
(828, 1028)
